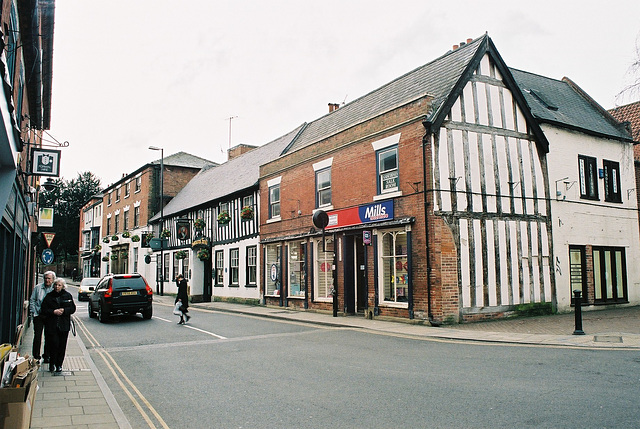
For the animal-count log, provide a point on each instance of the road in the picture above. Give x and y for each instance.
(227, 370)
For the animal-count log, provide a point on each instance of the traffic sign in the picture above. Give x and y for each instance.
(47, 256)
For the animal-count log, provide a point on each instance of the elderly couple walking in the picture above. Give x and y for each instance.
(51, 306)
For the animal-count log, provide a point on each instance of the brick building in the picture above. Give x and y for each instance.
(436, 191)
(129, 203)
(90, 245)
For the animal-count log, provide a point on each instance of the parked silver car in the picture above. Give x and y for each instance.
(87, 286)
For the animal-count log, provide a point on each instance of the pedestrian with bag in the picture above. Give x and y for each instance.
(57, 306)
(35, 304)
(183, 298)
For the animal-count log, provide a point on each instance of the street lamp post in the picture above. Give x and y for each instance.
(161, 282)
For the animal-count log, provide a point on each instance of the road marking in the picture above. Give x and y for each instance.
(220, 337)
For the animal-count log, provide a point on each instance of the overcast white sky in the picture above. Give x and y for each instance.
(128, 74)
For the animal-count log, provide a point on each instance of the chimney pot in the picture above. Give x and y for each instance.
(333, 107)
(469, 40)
(455, 47)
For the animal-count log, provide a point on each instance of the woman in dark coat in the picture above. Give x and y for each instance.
(57, 307)
(183, 298)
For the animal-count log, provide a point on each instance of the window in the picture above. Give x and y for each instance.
(272, 269)
(252, 265)
(136, 217)
(165, 267)
(219, 279)
(609, 275)
(296, 268)
(117, 194)
(138, 183)
(388, 179)
(223, 208)
(247, 201)
(578, 272)
(108, 226)
(274, 201)
(323, 270)
(125, 218)
(394, 280)
(116, 223)
(323, 187)
(127, 189)
(109, 199)
(135, 259)
(588, 177)
(185, 266)
(86, 238)
(234, 267)
(612, 181)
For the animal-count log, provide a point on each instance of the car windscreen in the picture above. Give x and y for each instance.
(90, 282)
(129, 283)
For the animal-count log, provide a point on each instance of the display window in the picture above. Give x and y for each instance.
(394, 266)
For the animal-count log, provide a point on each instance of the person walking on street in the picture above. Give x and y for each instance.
(35, 302)
(57, 306)
(183, 298)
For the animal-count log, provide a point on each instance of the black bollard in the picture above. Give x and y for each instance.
(578, 311)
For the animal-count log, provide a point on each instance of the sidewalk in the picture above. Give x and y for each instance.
(80, 398)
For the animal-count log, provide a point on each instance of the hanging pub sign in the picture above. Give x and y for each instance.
(200, 242)
(45, 162)
(145, 240)
(183, 229)
(368, 213)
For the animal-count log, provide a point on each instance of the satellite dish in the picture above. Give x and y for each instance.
(321, 219)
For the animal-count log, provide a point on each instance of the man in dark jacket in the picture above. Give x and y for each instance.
(57, 307)
(183, 298)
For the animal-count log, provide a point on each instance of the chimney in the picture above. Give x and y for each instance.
(333, 107)
(455, 47)
(469, 40)
(238, 150)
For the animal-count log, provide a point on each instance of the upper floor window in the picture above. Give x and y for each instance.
(138, 183)
(116, 223)
(612, 181)
(117, 194)
(588, 177)
(136, 217)
(247, 201)
(127, 189)
(323, 187)
(108, 226)
(388, 178)
(109, 199)
(274, 201)
(125, 217)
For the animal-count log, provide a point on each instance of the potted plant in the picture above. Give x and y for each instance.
(135, 238)
(114, 237)
(126, 234)
(203, 254)
(105, 258)
(106, 240)
(181, 254)
(246, 213)
(165, 233)
(224, 218)
(199, 223)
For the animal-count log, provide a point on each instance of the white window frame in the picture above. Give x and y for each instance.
(320, 258)
(382, 258)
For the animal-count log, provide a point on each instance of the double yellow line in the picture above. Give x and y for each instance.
(119, 376)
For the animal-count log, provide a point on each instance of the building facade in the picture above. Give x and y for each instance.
(89, 246)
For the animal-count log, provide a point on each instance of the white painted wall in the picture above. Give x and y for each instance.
(585, 222)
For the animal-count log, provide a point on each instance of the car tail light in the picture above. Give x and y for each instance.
(149, 290)
(109, 291)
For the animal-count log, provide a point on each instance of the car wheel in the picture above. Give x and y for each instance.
(146, 314)
(92, 313)
(103, 316)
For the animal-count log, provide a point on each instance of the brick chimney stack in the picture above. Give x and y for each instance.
(333, 107)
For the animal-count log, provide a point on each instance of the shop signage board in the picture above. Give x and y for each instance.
(368, 213)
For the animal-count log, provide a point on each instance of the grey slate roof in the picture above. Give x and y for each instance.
(436, 78)
(235, 175)
(564, 103)
(184, 159)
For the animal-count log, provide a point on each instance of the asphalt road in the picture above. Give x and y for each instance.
(232, 371)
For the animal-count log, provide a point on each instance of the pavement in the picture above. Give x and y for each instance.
(80, 398)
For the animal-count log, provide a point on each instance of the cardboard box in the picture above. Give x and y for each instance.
(16, 405)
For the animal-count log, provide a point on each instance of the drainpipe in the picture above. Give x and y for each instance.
(425, 141)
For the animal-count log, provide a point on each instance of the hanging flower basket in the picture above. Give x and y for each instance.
(105, 258)
(246, 213)
(106, 240)
(203, 254)
(114, 257)
(124, 255)
(181, 254)
(97, 248)
(165, 233)
(199, 223)
(115, 238)
(135, 238)
(224, 218)
(126, 234)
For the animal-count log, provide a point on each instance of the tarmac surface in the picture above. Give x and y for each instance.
(80, 397)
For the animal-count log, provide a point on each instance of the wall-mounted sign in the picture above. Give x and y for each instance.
(200, 242)
(45, 162)
(45, 217)
(366, 237)
(376, 212)
(145, 240)
(183, 230)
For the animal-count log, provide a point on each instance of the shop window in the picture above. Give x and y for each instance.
(612, 181)
(323, 270)
(609, 275)
(252, 265)
(274, 201)
(296, 269)
(588, 177)
(323, 187)
(394, 278)
(272, 269)
(234, 267)
(219, 279)
(388, 178)
(578, 272)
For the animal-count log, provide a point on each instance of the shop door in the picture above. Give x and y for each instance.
(208, 280)
(361, 274)
(355, 288)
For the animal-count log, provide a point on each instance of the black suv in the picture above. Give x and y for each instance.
(121, 294)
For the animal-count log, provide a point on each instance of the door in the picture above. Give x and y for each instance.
(361, 273)
(355, 275)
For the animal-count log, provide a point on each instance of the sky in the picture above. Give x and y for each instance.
(129, 74)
